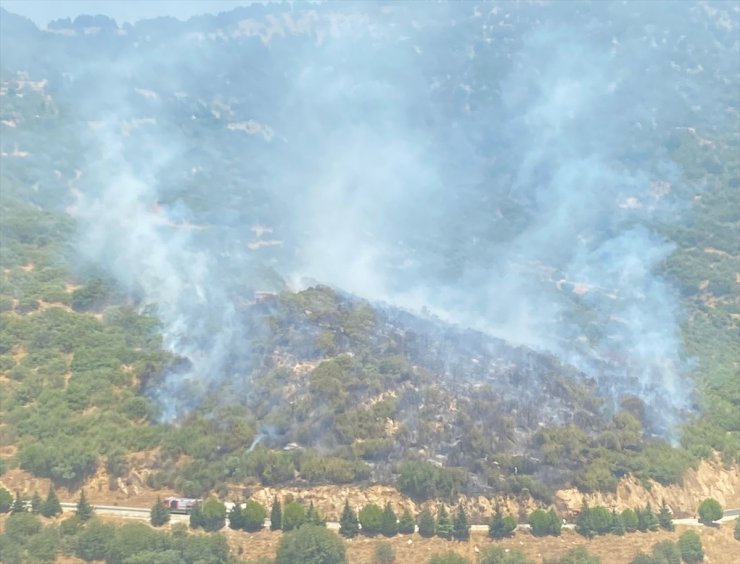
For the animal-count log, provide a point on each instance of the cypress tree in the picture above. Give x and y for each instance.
(18, 505)
(389, 524)
(349, 525)
(84, 509)
(444, 523)
(51, 505)
(427, 527)
(159, 514)
(36, 503)
(665, 518)
(461, 525)
(406, 525)
(276, 515)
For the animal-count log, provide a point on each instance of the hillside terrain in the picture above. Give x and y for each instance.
(357, 248)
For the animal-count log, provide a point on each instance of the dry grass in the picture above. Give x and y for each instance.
(719, 545)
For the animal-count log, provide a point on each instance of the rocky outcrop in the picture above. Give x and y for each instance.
(709, 479)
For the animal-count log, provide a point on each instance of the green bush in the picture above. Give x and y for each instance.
(689, 543)
(253, 516)
(371, 519)
(294, 515)
(310, 544)
(710, 510)
(630, 520)
(545, 523)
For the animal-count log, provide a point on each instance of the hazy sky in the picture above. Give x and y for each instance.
(44, 11)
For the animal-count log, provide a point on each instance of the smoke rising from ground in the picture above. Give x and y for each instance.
(500, 166)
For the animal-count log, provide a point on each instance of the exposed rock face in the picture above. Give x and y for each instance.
(710, 479)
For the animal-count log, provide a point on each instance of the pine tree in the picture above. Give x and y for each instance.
(36, 503)
(84, 509)
(389, 524)
(51, 506)
(555, 524)
(461, 525)
(665, 517)
(276, 515)
(196, 516)
(583, 522)
(406, 524)
(313, 517)
(236, 517)
(617, 527)
(646, 519)
(159, 515)
(18, 505)
(427, 527)
(500, 527)
(349, 525)
(444, 523)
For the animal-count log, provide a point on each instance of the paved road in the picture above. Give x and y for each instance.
(142, 514)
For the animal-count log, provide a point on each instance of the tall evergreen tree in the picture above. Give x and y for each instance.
(51, 506)
(665, 517)
(236, 517)
(196, 516)
(18, 504)
(555, 523)
(6, 500)
(427, 526)
(583, 522)
(444, 523)
(646, 519)
(461, 525)
(389, 524)
(36, 503)
(159, 515)
(406, 524)
(276, 515)
(617, 527)
(314, 517)
(349, 525)
(500, 527)
(84, 509)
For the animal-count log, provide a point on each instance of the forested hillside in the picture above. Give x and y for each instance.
(456, 264)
